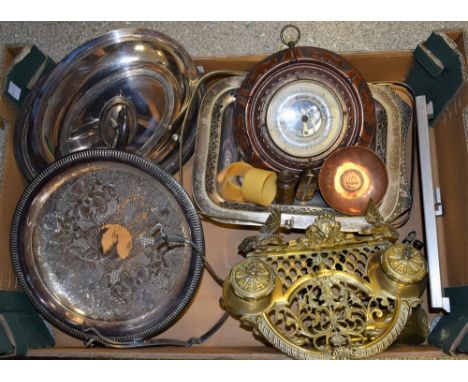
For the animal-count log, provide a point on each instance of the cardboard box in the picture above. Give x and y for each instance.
(449, 153)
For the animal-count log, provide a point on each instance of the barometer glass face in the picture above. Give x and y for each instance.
(304, 118)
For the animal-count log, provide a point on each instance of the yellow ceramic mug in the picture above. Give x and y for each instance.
(259, 186)
(228, 187)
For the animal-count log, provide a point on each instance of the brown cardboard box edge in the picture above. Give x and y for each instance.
(376, 66)
(12, 185)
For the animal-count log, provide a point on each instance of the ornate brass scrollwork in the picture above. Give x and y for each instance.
(329, 293)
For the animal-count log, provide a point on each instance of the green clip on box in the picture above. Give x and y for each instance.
(30, 65)
(21, 327)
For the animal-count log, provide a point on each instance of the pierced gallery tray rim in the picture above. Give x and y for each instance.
(209, 144)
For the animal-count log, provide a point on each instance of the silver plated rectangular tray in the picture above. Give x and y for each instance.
(216, 149)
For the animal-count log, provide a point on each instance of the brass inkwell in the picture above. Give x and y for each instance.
(329, 293)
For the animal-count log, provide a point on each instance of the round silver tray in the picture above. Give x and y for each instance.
(91, 246)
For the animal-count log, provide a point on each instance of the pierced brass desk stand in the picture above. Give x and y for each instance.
(328, 294)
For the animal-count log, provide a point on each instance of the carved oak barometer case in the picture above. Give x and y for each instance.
(299, 105)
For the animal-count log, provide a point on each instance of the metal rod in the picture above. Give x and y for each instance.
(438, 301)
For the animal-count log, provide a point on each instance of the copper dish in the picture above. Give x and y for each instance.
(350, 177)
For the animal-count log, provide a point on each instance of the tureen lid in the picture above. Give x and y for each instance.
(125, 89)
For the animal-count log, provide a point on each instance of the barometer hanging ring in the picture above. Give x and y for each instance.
(291, 43)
